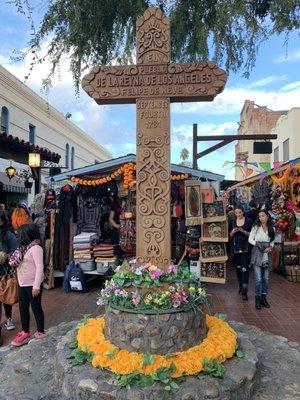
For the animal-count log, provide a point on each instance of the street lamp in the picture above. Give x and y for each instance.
(10, 171)
(34, 160)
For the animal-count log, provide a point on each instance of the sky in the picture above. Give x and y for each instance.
(274, 82)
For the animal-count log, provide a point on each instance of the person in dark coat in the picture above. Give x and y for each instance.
(253, 212)
(8, 245)
(239, 230)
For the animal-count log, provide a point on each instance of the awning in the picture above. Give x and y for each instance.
(13, 185)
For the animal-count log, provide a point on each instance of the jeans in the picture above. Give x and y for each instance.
(241, 262)
(261, 280)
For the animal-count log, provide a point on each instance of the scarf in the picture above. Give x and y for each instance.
(18, 255)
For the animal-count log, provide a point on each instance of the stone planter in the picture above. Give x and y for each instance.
(155, 333)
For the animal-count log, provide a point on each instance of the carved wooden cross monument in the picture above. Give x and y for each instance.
(152, 84)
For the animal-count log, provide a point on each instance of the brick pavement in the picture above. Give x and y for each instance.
(283, 318)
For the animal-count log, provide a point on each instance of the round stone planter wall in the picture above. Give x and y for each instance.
(155, 333)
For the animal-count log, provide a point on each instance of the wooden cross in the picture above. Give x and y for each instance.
(152, 84)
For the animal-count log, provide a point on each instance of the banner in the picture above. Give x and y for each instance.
(249, 171)
(266, 166)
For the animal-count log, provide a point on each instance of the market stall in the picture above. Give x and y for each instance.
(93, 215)
(279, 192)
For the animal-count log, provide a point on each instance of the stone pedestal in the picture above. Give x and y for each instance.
(155, 333)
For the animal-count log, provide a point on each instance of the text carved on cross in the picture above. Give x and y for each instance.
(153, 83)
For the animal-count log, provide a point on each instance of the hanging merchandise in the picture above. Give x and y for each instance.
(283, 180)
(38, 213)
(67, 214)
(193, 202)
(50, 199)
(261, 193)
(49, 248)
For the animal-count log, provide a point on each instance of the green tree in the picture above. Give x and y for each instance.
(97, 32)
(184, 155)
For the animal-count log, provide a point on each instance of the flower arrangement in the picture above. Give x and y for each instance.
(148, 287)
(220, 344)
(280, 214)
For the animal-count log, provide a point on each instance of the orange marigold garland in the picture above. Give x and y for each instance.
(128, 171)
(219, 345)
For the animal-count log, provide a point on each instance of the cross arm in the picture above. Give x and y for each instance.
(236, 137)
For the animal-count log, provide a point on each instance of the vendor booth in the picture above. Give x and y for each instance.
(88, 214)
(279, 192)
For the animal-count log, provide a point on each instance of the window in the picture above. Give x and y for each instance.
(286, 150)
(67, 156)
(31, 134)
(72, 158)
(4, 120)
(276, 154)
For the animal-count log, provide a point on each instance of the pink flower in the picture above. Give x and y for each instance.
(136, 298)
(171, 268)
(156, 273)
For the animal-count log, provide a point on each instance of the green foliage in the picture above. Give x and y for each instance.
(148, 359)
(111, 354)
(99, 32)
(213, 368)
(162, 375)
(221, 316)
(80, 356)
(240, 354)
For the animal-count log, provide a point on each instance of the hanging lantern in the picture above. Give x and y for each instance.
(10, 172)
(34, 160)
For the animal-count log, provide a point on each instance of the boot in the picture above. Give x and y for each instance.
(244, 293)
(257, 302)
(264, 302)
(1, 340)
(240, 288)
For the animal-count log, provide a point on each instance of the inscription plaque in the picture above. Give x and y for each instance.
(152, 84)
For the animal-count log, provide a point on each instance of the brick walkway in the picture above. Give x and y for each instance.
(283, 318)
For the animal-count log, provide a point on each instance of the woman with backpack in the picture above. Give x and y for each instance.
(262, 238)
(8, 244)
(28, 260)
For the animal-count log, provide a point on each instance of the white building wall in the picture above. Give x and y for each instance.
(52, 129)
(288, 127)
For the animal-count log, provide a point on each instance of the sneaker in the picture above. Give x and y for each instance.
(10, 326)
(21, 338)
(39, 335)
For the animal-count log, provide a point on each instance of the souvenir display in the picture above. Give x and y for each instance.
(214, 212)
(213, 272)
(212, 251)
(214, 231)
(193, 203)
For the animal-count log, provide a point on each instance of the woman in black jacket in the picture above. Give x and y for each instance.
(239, 230)
(8, 244)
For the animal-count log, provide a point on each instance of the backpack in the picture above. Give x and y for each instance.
(74, 278)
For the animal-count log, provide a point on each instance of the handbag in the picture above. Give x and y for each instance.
(9, 289)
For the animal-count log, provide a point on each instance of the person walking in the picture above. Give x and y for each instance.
(262, 238)
(8, 244)
(253, 212)
(28, 260)
(239, 230)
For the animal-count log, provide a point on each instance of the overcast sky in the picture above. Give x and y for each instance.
(274, 83)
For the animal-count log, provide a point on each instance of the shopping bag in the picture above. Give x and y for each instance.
(9, 289)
